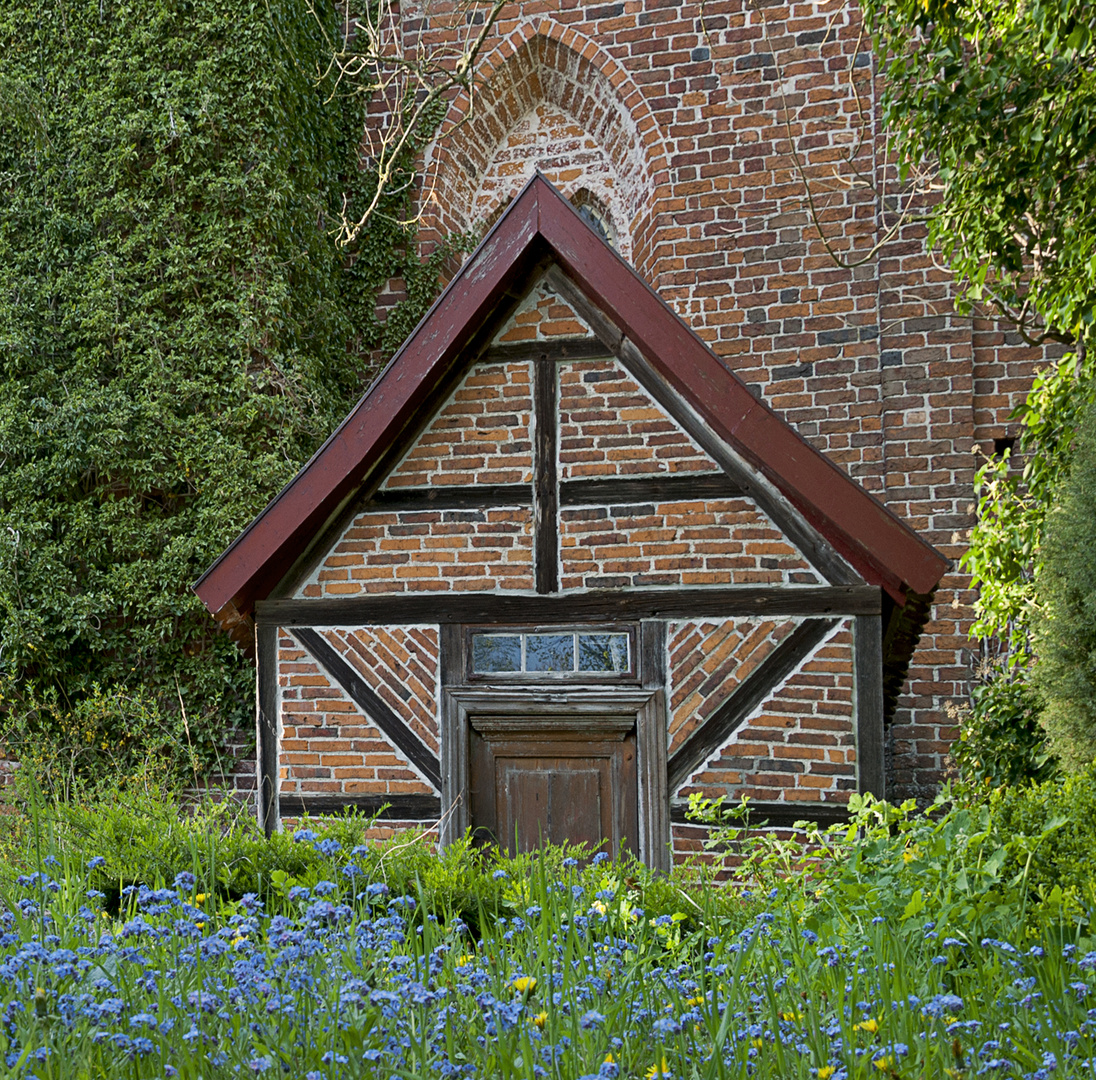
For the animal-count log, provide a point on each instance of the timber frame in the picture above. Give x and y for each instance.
(874, 570)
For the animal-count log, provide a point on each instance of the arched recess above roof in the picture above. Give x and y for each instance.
(549, 100)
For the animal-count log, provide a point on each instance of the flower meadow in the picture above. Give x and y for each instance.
(557, 971)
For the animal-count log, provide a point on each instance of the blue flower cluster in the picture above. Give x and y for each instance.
(346, 980)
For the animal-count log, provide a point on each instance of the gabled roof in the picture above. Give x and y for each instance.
(539, 226)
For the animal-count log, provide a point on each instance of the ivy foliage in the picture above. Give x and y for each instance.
(178, 333)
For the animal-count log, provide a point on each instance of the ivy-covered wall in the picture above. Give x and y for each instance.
(178, 333)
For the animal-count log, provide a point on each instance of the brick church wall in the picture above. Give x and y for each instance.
(699, 128)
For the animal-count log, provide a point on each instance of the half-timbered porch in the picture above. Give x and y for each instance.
(559, 569)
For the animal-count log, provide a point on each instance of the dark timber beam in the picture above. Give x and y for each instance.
(867, 636)
(371, 704)
(597, 606)
(747, 696)
(615, 491)
(266, 726)
(386, 807)
(558, 350)
(774, 815)
(545, 479)
(682, 487)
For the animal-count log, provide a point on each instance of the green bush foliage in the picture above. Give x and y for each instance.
(1001, 741)
(1007, 867)
(139, 833)
(1065, 619)
(1053, 855)
(178, 333)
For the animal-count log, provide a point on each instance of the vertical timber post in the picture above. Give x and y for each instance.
(456, 812)
(266, 725)
(545, 478)
(651, 745)
(868, 679)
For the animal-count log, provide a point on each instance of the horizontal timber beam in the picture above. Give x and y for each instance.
(683, 487)
(604, 605)
(386, 807)
(588, 348)
(612, 491)
(773, 814)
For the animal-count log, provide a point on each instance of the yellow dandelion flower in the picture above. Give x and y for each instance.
(462, 960)
(609, 1059)
(599, 907)
(826, 1071)
(871, 1025)
(659, 1068)
(791, 1016)
(539, 1020)
(525, 985)
(757, 1043)
(200, 898)
(883, 1063)
(695, 1001)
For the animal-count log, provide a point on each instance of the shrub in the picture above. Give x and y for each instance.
(1001, 741)
(1065, 616)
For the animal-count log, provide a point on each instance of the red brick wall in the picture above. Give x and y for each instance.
(611, 426)
(708, 659)
(481, 435)
(327, 746)
(429, 551)
(718, 542)
(799, 746)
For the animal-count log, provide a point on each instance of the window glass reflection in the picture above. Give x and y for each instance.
(549, 652)
(603, 652)
(496, 652)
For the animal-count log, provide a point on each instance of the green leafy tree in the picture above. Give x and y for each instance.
(178, 333)
(992, 106)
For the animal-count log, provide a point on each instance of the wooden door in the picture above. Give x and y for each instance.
(558, 779)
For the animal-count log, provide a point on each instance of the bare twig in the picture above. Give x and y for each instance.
(408, 69)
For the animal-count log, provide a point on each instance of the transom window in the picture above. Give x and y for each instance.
(551, 652)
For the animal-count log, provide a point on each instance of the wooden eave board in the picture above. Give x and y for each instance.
(537, 224)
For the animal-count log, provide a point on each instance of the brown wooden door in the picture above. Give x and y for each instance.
(555, 780)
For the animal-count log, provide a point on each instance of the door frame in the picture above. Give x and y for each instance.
(648, 706)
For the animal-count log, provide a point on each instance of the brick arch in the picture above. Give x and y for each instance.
(545, 74)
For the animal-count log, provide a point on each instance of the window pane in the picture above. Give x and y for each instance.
(603, 652)
(496, 652)
(549, 652)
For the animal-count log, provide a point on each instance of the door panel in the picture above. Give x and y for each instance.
(559, 783)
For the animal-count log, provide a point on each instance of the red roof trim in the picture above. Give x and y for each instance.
(881, 547)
